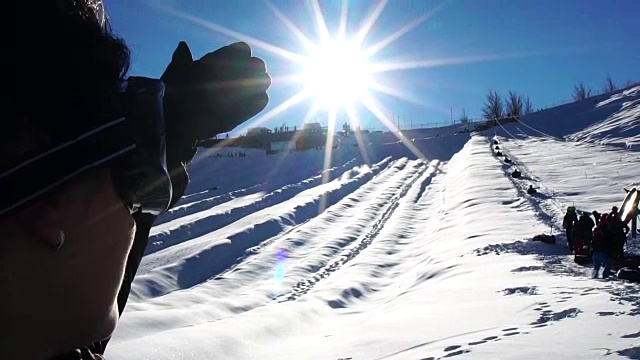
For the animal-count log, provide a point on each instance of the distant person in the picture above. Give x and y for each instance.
(603, 249)
(614, 213)
(589, 223)
(582, 234)
(531, 190)
(596, 216)
(618, 232)
(568, 222)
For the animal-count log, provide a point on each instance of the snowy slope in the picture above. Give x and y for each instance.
(610, 119)
(398, 250)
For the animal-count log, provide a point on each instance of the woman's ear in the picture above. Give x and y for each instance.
(49, 235)
(76, 205)
(42, 223)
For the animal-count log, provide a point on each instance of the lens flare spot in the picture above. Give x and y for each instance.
(280, 266)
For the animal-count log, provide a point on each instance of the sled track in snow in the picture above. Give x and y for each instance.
(199, 263)
(379, 171)
(200, 201)
(548, 209)
(212, 220)
(304, 286)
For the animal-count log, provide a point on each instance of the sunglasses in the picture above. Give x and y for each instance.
(132, 146)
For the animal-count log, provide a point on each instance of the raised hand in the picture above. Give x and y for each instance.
(212, 95)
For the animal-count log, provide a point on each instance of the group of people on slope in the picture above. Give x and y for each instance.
(606, 236)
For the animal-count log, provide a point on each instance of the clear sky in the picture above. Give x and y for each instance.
(450, 54)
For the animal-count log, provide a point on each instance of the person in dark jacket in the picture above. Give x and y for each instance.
(618, 233)
(87, 166)
(531, 190)
(614, 213)
(603, 248)
(583, 230)
(568, 222)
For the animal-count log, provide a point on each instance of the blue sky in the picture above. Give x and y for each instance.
(537, 48)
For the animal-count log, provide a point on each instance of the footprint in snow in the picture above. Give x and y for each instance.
(525, 290)
(550, 316)
(540, 325)
(451, 348)
(456, 353)
(607, 313)
(528, 268)
(473, 343)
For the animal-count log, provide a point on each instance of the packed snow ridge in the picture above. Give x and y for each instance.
(412, 249)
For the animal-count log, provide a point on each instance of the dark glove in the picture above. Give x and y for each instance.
(211, 95)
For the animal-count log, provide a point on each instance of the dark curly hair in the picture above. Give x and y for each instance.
(69, 67)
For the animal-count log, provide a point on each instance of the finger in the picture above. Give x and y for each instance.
(257, 65)
(259, 103)
(241, 89)
(240, 48)
(262, 82)
(233, 51)
(251, 107)
(238, 111)
(254, 75)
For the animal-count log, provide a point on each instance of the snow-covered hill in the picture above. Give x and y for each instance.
(608, 119)
(413, 249)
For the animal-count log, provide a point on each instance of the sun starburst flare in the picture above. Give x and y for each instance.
(337, 74)
(337, 71)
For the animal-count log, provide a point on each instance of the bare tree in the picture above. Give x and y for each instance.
(493, 108)
(581, 92)
(527, 106)
(631, 83)
(609, 85)
(464, 118)
(514, 105)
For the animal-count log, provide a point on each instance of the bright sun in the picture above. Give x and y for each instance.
(336, 74)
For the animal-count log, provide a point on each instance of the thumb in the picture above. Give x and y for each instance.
(182, 54)
(180, 60)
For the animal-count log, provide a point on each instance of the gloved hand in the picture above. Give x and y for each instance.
(211, 95)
